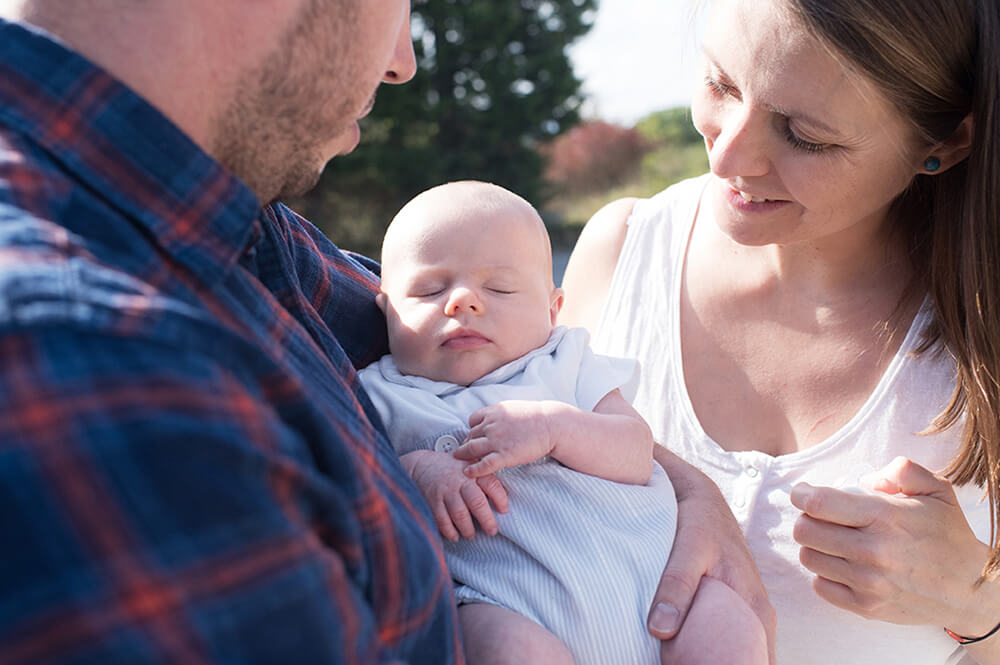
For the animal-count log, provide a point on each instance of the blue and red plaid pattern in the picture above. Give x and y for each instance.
(189, 469)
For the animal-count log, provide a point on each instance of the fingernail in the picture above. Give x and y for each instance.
(663, 619)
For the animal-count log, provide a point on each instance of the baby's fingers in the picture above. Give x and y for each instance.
(459, 516)
(479, 506)
(492, 463)
(474, 448)
(496, 492)
(443, 521)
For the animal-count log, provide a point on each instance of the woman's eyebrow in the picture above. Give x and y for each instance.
(806, 118)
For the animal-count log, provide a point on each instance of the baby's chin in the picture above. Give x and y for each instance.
(461, 376)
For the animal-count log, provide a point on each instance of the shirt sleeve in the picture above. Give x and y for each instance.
(156, 510)
(599, 374)
(351, 314)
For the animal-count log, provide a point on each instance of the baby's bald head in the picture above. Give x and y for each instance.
(489, 209)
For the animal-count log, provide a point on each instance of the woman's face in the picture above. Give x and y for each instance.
(801, 149)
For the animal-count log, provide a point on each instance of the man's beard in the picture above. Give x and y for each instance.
(272, 132)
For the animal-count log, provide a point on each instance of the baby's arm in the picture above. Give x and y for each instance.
(455, 498)
(612, 441)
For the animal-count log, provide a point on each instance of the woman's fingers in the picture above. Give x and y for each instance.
(827, 566)
(832, 539)
(836, 506)
(903, 476)
(835, 593)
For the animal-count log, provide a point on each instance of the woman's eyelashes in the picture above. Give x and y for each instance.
(721, 89)
(799, 143)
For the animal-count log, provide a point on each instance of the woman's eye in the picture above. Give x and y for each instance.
(720, 89)
(801, 144)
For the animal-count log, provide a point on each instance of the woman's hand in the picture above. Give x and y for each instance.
(904, 554)
(708, 543)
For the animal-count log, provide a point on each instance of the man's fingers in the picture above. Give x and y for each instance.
(494, 489)
(671, 602)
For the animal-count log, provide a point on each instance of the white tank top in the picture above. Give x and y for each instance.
(641, 320)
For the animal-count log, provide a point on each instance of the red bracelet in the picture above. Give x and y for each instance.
(969, 640)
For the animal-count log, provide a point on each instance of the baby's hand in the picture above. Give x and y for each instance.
(508, 434)
(455, 498)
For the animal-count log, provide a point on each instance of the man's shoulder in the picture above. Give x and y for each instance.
(31, 181)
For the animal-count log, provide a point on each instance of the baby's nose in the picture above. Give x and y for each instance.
(463, 299)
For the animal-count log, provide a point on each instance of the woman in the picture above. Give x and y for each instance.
(826, 300)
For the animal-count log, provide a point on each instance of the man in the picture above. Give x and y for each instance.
(189, 472)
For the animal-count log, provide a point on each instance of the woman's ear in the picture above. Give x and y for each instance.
(952, 150)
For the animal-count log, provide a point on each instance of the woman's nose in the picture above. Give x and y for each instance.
(739, 147)
(462, 299)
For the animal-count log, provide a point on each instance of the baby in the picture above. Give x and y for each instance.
(494, 409)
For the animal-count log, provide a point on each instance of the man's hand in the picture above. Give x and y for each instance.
(708, 543)
(454, 498)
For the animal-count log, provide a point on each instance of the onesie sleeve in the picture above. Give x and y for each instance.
(599, 374)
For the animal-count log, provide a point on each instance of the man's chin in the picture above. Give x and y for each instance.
(348, 140)
(300, 182)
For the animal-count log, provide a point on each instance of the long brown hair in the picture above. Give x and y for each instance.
(937, 62)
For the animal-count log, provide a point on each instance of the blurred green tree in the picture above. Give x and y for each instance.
(493, 83)
(671, 126)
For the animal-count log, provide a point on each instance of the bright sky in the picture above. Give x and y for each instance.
(640, 56)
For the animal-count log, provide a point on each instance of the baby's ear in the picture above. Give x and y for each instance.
(380, 300)
(555, 304)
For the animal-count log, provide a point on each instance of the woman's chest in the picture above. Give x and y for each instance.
(762, 384)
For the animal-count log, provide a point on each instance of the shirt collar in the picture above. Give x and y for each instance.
(123, 148)
(390, 372)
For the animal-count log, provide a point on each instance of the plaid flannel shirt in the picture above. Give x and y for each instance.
(189, 469)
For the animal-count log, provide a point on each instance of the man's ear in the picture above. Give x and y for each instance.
(953, 149)
(380, 300)
(555, 304)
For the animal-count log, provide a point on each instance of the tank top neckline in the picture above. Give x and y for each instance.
(679, 386)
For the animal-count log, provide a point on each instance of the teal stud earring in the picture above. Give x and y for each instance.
(932, 164)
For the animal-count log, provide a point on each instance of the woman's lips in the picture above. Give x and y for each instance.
(748, 203)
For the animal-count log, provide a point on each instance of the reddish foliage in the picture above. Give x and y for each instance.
(592, 156)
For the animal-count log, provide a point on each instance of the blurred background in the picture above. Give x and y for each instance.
(569, 103)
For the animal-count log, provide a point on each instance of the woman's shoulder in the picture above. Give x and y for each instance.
(592, 264)
(595, 256)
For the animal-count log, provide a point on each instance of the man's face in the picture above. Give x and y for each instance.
(299, 107)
